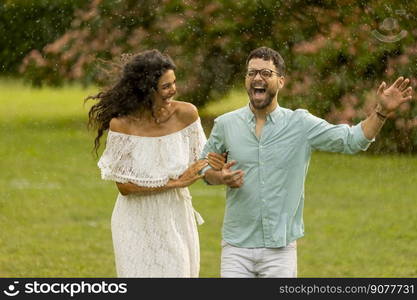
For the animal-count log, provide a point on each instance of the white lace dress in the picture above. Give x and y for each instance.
(154, 235)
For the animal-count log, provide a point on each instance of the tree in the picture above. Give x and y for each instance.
(27, 25)
(334, 54)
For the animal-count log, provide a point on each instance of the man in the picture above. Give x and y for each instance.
(270, 147)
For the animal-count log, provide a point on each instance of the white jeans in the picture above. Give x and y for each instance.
(258, 262)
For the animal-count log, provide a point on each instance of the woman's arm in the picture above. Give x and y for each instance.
(186, 179)
(131, 188)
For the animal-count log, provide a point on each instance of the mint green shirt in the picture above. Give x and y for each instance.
(267, 211)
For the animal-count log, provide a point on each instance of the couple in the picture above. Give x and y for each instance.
(156, 148)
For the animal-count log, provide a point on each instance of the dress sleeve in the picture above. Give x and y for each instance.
(118, 163)
(197, 142)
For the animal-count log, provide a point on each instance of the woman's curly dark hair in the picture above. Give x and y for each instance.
(132, 92)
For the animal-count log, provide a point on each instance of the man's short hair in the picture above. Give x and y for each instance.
(268, 54)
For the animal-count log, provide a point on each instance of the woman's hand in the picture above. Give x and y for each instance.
(216, 161)
(190, 175)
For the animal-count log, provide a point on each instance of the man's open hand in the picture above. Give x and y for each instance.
(389, 99)
(233, 179)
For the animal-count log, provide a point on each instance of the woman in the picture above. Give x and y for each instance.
(152, 150)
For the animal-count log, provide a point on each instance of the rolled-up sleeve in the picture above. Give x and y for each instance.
(343, 138)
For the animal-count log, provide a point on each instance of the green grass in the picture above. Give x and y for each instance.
(360, 211)
(233, 100)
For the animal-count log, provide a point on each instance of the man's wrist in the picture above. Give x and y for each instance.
(381, 116)
(203, 172)
(380, 111)
(213, 177)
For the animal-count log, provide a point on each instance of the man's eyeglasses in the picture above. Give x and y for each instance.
(265, 73)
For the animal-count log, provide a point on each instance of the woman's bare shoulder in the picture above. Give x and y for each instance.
(187, 112)
(119, 124)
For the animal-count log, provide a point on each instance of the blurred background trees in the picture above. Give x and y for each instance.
(27, 25)
(337, 52)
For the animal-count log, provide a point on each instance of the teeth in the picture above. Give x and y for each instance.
(259, 90)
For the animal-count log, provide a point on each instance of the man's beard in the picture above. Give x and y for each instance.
(263, 104)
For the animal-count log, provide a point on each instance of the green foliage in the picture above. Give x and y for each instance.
(335, 56)
(26, 25)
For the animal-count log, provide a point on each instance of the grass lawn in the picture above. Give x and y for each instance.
(360, 212)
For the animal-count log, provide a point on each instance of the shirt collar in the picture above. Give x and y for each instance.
(273, 115)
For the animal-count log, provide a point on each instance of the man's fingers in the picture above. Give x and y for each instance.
(229, 164)
(407, 92)
(381, 88)
(233, 174)
(404, 84)
(398, 82)
(239, 174)
(239, 181)
(405, 99)
(229, 177)
(236, 184)
(234, 180)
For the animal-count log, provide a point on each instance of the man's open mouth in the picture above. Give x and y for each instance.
(258, 91)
